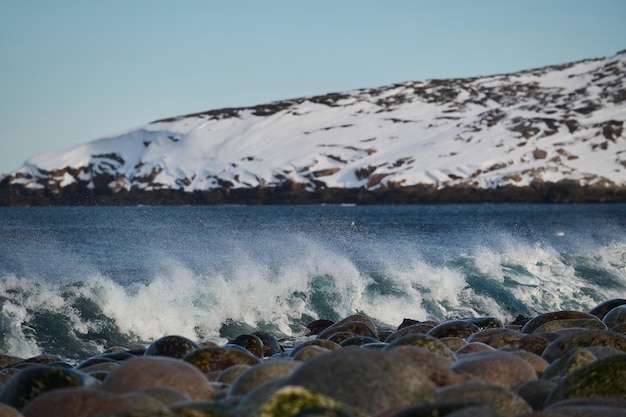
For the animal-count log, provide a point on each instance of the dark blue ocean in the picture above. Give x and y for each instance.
(75, 280)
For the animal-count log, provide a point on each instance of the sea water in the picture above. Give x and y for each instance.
(76, 280)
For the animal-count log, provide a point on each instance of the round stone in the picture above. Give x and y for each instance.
(583, 339)
(454, 328)
(231, 373)
(435, 367)
(370, 381)
(499, 398)
(74, 402)
(35, 380)
(271, 346)
(6, 411)
(326, 344)
(473, 347)
(308, 352)
(615, 316)
(601, 309)
(315, 327)
(535, 323)
(153, 371)
(291, 400)
(251, 343)
(422, 328)
(350, 327)
(602, 378)
(260, 374)
(219, 358)
(497, 337)
(572, 360)
(423, 341)
(173, 346)
(496, 367)
(558, 325)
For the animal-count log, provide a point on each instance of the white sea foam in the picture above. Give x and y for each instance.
(297, 278)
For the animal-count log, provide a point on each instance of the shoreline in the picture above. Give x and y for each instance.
(543, 366)
(562, 192)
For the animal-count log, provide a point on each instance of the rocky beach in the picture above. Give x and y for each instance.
(556, 364)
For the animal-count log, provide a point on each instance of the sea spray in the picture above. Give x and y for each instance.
(79, 280)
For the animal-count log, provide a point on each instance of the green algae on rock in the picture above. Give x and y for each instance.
(173, 346)
(603, 378)
(35, 380)
(291, 400)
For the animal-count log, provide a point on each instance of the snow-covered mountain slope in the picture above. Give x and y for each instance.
(563, 122)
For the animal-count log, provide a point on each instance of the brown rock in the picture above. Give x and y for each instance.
(7, 411)
(536, 322)
(538, 363)
(415, 328)
(308, 352)
(454, 328)
(366, 380)
(144, 372)
(497, 337)
(219, 358)
(315, 327)
(355, 327)
(74, 402)
(557, 325)
(496, 367)
(473, 347)
(423, 341)
(260, 374)
(231, 373)
(503, 400)
(435, 367)
(583, 339)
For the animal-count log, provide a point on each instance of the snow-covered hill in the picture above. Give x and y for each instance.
(546, 125)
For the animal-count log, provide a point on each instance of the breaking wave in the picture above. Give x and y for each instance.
(297, 278)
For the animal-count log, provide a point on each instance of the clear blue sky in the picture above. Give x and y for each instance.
(72, 71)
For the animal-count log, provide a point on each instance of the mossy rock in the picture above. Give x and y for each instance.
(574, 359)
(497, 337)
(419, 328)
(173, 346)
(201, 409)
(292, 400)
(357, 324)
(31, 382)
(219, 358)
(327, 344)
(423, 341)
(308, 352)
(352, 328)
(587, 338)
(555, 325)
(251, 343)
(535, 323)
(602, 378)
(271, 346)
(454, 328)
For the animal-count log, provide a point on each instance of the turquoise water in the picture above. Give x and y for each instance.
(74, 280)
